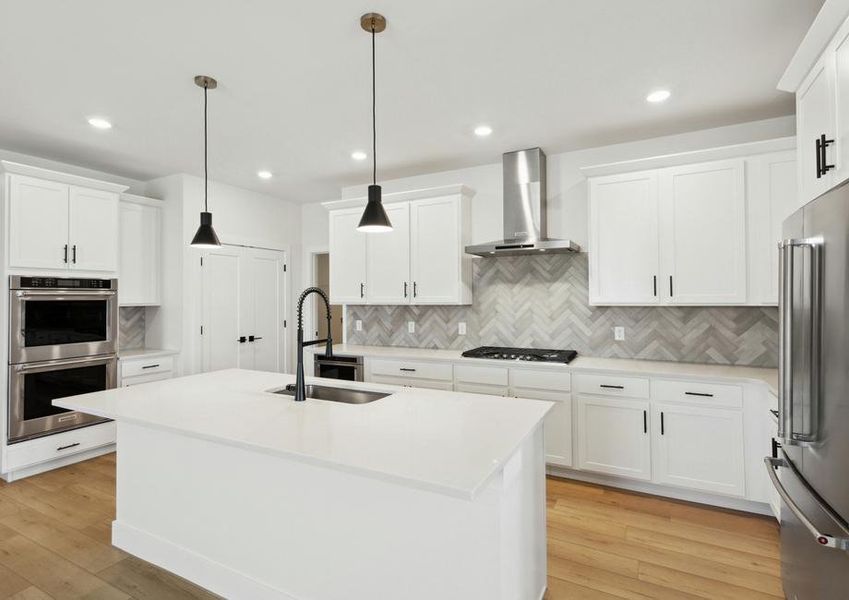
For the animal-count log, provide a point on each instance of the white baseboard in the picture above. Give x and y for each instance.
(198, 569)
(740, 504)
(18, 474)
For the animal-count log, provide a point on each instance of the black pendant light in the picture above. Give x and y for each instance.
(374, 218)
(205, 236)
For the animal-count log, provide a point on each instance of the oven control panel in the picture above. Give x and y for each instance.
(64, 283)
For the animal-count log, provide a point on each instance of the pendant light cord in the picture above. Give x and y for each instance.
(373, 111)
(205, 160)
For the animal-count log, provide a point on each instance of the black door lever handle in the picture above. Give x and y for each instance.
(242, 339)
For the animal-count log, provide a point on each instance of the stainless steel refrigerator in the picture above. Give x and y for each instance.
(811, 466)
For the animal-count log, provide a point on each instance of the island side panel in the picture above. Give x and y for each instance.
(252, 524)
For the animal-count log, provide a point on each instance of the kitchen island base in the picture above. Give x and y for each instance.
(245, 523)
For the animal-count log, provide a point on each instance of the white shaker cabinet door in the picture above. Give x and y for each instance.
(347, 257)
(699, 448)
(388, 262)
(93, 229)
(703, 232)
(38, 223)
(138, 275)
(558, 423)
(436, 251)
(815, 118)
(624, 248)
(613, 436)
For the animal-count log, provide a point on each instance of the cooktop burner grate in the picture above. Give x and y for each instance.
(529, 354)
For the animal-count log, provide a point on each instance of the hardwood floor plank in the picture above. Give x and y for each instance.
(593, 557)
(144, 581)
(62, 505)
(711, 589)
(11, 583)
(558, 589)
(31, 593)
(65, 541)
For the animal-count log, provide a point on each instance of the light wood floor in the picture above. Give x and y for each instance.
(603, 543)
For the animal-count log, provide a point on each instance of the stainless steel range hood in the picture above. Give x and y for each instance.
(524, 209)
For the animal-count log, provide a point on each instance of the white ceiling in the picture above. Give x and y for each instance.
(295, 83)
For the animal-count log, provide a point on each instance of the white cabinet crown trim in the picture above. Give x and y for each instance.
(828, 20)
(136, 199)
(445, 190)
(40, 173)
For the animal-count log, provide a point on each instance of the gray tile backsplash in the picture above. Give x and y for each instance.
(541, 301)
(131, 327)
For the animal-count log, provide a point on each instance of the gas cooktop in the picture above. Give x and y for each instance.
(530, 354)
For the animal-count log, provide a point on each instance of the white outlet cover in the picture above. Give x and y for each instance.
(461, 328)
(619, 334)
(411, 326)
(358, 325)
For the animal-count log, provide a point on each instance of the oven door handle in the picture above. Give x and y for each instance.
(53, 294)
(40, 366)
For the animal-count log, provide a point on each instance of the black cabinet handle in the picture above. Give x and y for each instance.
(645, 422)
(704, 395)
(822, 161)
(74, 254)
(818, 153)
(662, 425)
(242, 339)
(74, 445)
(775, 447)
(407, 370)
(66, 254)
(774, 414)
(612, 387)
(415, 289)
(670, 287)
(150, 366)
(654, 284)
(362, 290)
(405, 289)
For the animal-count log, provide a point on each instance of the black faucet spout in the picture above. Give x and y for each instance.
(300, 386)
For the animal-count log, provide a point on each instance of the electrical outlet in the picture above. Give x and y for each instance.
(461, 328)
(411, 326)
(619, 334)
(358, 325)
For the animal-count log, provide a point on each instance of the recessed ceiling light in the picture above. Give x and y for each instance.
(658, 96)
(99, 123)
(263, 174)
(359, 155)
(483, 130)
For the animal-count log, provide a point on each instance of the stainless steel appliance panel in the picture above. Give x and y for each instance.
(34, 386)
(347, 368)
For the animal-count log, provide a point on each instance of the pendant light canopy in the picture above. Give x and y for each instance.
(205, 236)
(374, 218)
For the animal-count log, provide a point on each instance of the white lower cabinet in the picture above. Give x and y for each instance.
(613, 436)
(144, 369)
(699, 447)
(558, 424)
(430, 384)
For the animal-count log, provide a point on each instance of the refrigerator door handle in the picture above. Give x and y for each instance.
(823, 539)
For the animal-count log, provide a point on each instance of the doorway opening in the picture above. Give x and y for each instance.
(322, 280)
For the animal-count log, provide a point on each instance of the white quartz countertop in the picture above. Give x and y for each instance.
(581, 363)
(446, 442)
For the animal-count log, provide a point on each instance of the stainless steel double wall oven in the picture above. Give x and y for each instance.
(63, 341)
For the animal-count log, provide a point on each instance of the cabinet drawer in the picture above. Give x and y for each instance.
(538, 379)
(612, 385)
(40, 450)
(412, 369)
(697, 392)
(412, 382)
(147, 378)
(481, 388)
(137, 366)
(484, 375)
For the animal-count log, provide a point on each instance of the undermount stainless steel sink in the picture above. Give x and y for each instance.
(334, 394)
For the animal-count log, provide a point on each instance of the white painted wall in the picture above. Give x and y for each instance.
(567, 188)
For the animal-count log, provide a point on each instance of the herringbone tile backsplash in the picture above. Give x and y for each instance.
(131, 327)
(541, 302)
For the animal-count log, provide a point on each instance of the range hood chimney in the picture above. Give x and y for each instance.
(524, 209)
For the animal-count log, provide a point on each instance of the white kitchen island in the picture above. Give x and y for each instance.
(420, 495)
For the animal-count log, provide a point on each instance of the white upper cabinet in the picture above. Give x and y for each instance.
(421, 261)
(624, 256)
(703, 236)
(388, 259)
(815, 119)
(93, 229)
(347, 257)
(55, 224)
(38, 223)
(139, 267)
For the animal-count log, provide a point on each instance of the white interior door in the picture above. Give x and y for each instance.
(624, 239)
(703, 228)
(613, 436)
(347, 257)
(266, 268)
(388, 259)
(435, 250)
(38, 228)
(93, 229)
(222, 276)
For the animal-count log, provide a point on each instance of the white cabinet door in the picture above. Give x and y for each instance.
(624, 247)
(388, 262)
(703, 229)
(93, 229)
(435, 253)
(815, 117)
(138, 275)
(558, 424)
(38, 223)
(481, 388)
(613, 436)
(347, 257)
(699, 448)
